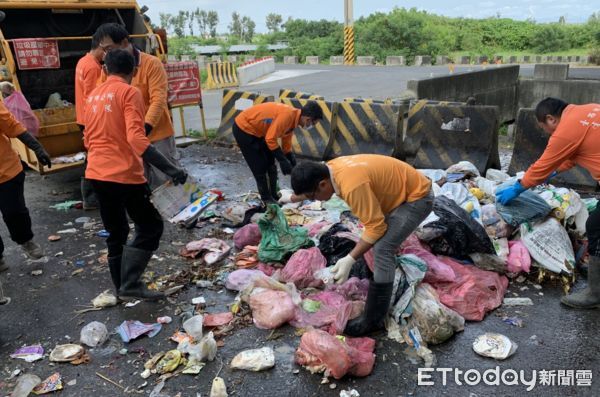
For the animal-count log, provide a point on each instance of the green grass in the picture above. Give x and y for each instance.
(507, 53)
(211, 133)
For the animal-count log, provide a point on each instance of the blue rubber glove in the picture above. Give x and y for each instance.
(509, 193)
(552, 175)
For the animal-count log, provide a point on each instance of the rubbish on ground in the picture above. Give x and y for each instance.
(437, 271)
(494, 225)
(169, 362)
(325, 275)
(496, 175)
(25, 385)
(54, 237)
(517, 302)
(36, 272)
(182, 203)
(133, 304)
(528, 207)
(332, 315)
(310, 305)
(218, 388)
(239, 279)
(566, 203)
(517, 322)
(410, 270)
(211, 250)
(494, 345)
(151, 363)
(278, 239)
(254, 360)
(83, 219)
(193, 367)
(334, 247)
(29, 353)
(413, 338)
(489, 262)
(199, 300)
(67, 231)
(130, 330)
(208, 348)
(204, 283)
(463, 167)
(270, 308)
(217, 319)
(549, 244)
(336, 355)
(193, 326)
(103, 233)
(93, 334)
(247, 235)
(66, 353)
(157, 389)
(518, 259)
(72, 382)
(50, 384)
(247, 258)
(64, 206)
(301, 266)
(349, 393)
(164, 320)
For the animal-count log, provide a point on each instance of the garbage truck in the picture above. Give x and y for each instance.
(40, 44)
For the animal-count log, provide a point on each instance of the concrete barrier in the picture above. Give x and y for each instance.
(525, 59)
(290, 60)
(365, 61)
(201, 61)
(546, 59)
(171, 58)
(216, 58)
(221, 75)
(481, 59)
(537, 59)
(249, 58)
(422, 60)
(465, 60)
(232, 58)
(496, 86)
(551, 71)
(185, 58)
(395, 60)
(513, 59)
(442, 60)
(312, 60)
(585, 59)
(498, 59)
(336, 60)
(571, 91)
(254, 70)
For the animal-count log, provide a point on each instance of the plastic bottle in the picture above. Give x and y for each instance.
(25, 385)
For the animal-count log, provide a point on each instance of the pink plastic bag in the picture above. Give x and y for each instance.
(271, 309)
(437, 271)
(332, 316)
(354, 356)
(19, 107)
(474, 292)
(302, 265)
(247, 235)
(241, 278)
(519, 259)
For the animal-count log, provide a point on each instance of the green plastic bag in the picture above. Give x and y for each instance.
(278, 239)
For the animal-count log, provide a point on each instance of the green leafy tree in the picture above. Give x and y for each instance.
(212, 20)
(248, 29)
(273, 22)
(235, 27)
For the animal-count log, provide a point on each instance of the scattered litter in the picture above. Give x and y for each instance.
(83, 219)
(517, 302)
(193, 326)
(164, 320)
(105, 299)
(94, 334)
(130, 330)
(549, 244)
(247, 235)
(54, 237)
(247, 258)
(218, 388)
(254, 360)
(193, 367)
(349, 393)
(36, 272)
(278, 239)
(67, 231)
(29, 353)
(103, 233)
(515, 321)
(239, 279)
(199, 300)
(157, 389)
(132, 304)
(51, 384)
(66, 353)
(270, 308)
(204, 283)
(64, 206)
(72, 382)
(302, 265)
(211, 250)
(494, 345)
(217, 319)
(169, 362)
(25, 385)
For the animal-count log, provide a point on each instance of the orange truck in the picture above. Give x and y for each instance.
(67, 25)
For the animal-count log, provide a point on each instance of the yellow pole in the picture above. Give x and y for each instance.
(348, 33)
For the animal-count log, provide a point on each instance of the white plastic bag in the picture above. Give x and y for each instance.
(93, 334)
(496, 175)
(463, 167)
(549, 244)
(254, 360)
(193, 326)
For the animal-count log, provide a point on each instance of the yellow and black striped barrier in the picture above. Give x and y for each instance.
(285, 93)
(530, 142)
(229, 110)
(349, 45)
(367, 127)
(387, 101)
(438, 136)
(221, 75)
(314, 142)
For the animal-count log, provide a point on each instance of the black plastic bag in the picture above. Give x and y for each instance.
(335, 248)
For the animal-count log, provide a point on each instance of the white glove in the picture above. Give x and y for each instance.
(342, 268)
(286, 197)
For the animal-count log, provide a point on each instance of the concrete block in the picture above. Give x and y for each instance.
(171, 58)
(253, 71)
(365, 61)
(422, 60)
(526, 59)
(201, 61)
(551, 71)
(498, 59)
(395, 60)
(290, 60)
(249, 58)
(537, 59)
(465, 60)
(232, 58)
(336, 60)
(584, 60)
(513, 59)
(546, 59)
(442, 60)
(572, 91)
(312, 60)
(481, 59)
(577, 58)
(216, 58)
(186, 58)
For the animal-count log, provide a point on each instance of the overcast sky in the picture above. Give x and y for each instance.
(540, 10)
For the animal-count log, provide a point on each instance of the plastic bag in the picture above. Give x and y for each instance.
(239, 279)
(494, 225)
(20, 108)
(436, 322)
(247, 235)
(528, 207)
(301, 267)
(496, 175)
(409, 272)
(94, 334)
(337, 354)
(211, 250)
(271, 309)
(549, 244)
(278, 239)
(456, 233)
(193, 326)
(474, 292)
(519, 259)
(463, 167)
(465, 199)
(565, 202)
(254, 360)
(437, 271)
(332, 314)
(334, 247)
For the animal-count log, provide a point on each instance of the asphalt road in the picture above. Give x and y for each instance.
(338, 82)
(42, 311)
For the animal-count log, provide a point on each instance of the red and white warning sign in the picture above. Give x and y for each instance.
(36, 54)
(184, 83)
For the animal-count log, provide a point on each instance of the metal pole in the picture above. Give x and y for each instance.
(348, 33)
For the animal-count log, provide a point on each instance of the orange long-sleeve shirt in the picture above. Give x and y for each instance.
(576, 141)
(373, 186)
(10, 164)
(272, 121)
(87, 73)
(114, 133)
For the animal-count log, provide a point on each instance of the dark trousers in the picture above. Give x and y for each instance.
(592, 228)
(255, 151)
(14, 211)
(117, 201)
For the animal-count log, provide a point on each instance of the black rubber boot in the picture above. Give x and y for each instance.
(273, 182)
(262, 183)
(88, 196)
(114, 264)
(588, 298)
(376, 308)
(133, 264)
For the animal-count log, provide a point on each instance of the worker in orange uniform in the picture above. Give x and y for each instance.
(389, 197)
(257, 131)
(87, 74)
(574, 140)
(117, 146)
(151, 79)
(12, 183)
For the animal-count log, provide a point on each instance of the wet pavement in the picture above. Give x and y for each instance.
(42, 310)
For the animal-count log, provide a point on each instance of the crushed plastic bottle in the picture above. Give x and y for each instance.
(25, 385)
